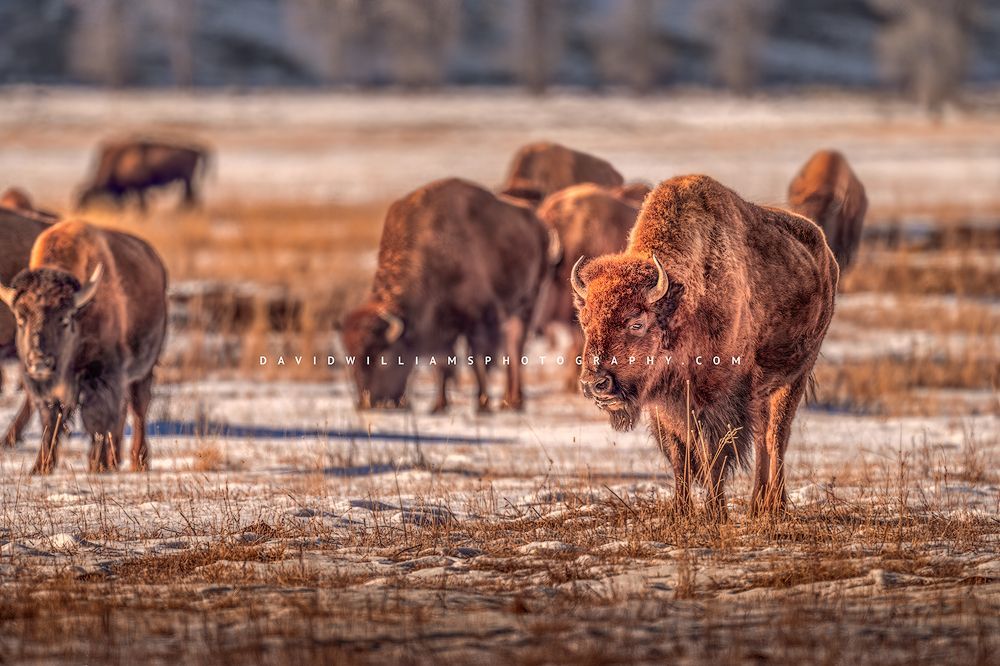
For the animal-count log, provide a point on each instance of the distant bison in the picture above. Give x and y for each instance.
(739, 297)
(18, 232)
(633, 192)
(539, 169)
(18, 200)
(454, 260)
(91, 319)
(828, 192)
(590, 221)
(131, 168)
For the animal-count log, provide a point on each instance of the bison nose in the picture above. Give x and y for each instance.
(598, 384)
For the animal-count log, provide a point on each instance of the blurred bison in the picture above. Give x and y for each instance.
(590, 221)
(828, 192)
(91, 317)
(19, 201)
(18, 232)
(706, 276)
(454, 260)
(133, 167)
(539, 169)
(634, 193)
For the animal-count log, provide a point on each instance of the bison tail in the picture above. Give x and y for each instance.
(811, 386)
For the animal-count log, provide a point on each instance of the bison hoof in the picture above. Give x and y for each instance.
(513, 405)
(439, 408)
(41, 470)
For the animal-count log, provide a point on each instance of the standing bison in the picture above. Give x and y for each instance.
(18, 232)
(708, 276)
(131, 168)
(539, 169)
(17, 200)
(454, 260)
(590, 221)
(828, 192)
(91, 318)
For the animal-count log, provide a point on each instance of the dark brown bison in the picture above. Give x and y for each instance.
(18, 232)
(710, 321)
(19, 201)
(634, 193)
(91, 318)
(591, 221)
(539, 169)
(454, 261)
(828, 192)
(133, 167)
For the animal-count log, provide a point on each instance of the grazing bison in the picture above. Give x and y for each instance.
(590, 221)
(828, 192)
(708, 277)
(18, 232)
(19, 201)
(454, 260)
(133, 167)
(91, 317)
(539, 169)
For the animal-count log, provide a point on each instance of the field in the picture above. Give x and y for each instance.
(279, 524)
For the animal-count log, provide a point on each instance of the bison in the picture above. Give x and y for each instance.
(591, 221)
(827, 191)
(539, 169)
(18, 232)
(133, 167)
(455, 260)
(708, 278)
(634, 193)
(91, 318)
(19, 201)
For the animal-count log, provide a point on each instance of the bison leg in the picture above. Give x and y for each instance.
(680, 460)
(103, 413)
(761, 458)
(514, 335)
(783, 404)
(17, 426)
(140, 395)
(190, 199)
(715, 502)
(443, 375)
(53, 419)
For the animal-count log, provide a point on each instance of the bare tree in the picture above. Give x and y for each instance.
(924, 47)
(102, 41)
(628, 50)
(418, 37)
(737, 30)
(180, 34)
(538, 42)
(332, 32)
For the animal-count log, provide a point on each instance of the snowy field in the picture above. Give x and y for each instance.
(278, 524)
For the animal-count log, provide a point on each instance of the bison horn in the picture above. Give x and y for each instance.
(395, 326)
(555, 248)
(7, 295)
(662, 283)
(574, 279)
(89, 290)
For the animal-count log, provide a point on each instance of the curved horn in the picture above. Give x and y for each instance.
(395, 326)
(662, 283)
(574, 279)
(555, 248)
(7, 295)
(89, 290)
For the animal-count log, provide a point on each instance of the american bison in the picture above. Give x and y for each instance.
(18, 232)
(634, 193)
(455, 260)
(91, 318)
(133, 167)
(539, 169)
(708, 278)
(827, 191)
(590, 221)
(19, 201)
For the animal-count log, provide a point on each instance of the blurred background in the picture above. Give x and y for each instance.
(928, 50)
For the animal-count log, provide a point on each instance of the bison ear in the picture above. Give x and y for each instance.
(89, 290)
(7, 295)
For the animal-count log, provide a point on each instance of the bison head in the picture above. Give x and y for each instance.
(47, 304)
(372, 333)
(624, 304)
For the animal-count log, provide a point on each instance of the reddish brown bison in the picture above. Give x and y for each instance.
(828, 192)
(19, 201)
(91, 318)
(591, 221)
(454, 261)
(18, 232)
(539, 169)
(131, 168)
(708, 277)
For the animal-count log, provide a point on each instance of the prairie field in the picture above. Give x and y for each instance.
(279, 524)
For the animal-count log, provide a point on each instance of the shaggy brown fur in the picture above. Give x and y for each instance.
(591, 221)
(133, 167)
(454, 260)
(539, 169)
(18, 232)
(97, 355)
(828, 192)
(744, 281)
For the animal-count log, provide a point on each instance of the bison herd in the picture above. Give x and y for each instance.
(644, 278)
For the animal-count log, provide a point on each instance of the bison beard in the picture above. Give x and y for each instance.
(706, 269)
